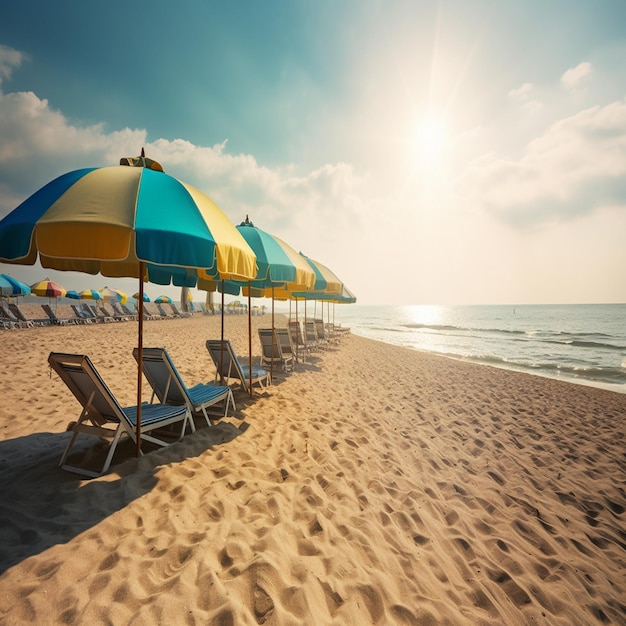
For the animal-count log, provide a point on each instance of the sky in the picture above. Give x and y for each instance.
(451, 152)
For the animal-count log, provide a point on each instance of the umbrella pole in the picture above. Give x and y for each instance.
(250, 335)
(222, 342)
(272, 361)
(142, 267)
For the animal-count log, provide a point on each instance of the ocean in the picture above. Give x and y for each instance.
(583, 343)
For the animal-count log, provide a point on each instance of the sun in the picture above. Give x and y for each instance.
(430, 142)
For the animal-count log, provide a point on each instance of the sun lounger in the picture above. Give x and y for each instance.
(24, 319)
(297, 339)
(227, 366)
(312, 338)
(9, 319)
(104, 417)
(89, 313)
(59, 321)
(120, 313)
(80, 315)
(272, 352)
(286, 345)
(168, 386)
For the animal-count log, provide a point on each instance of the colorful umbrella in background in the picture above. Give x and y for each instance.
(47, 288)
(90, 294)
(11, 287)
(131, 220)
(113, 295)
(163, 300)
(74, 295)
(144, 297)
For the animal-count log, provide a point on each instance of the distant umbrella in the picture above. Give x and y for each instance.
(10, 286)
(138, 295)
(163, 300)
(47, 288)
(113, 295)
(74, 295)
(90, 294)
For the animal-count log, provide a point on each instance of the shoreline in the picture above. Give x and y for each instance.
(621, 388)
(375, 484)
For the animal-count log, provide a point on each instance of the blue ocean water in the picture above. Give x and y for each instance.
(579, 343)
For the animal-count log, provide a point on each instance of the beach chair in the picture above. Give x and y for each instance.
(128, 312)
(8, 317)
(104, 417)
(168, 386)
(89, 313)
(323, 333)
(286, 345)
(59, 321)
(178, 312)
(80, 315)
(272, 352)
(311, 337)
(297, 339)
(120, 313)
(24, 319)
(108, 315)
(227, 366)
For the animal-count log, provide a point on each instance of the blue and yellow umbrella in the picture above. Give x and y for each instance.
(131, 220)
(10, 286)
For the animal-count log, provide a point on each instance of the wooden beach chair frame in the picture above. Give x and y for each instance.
(104, 417)
(168, 386)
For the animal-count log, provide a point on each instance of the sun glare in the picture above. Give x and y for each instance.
(431, 140)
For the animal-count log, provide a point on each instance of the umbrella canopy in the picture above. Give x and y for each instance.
(10, 286)
(113, 295)
(110, 219)
(163, 300)
(47, 288)
(144, 297)
(74, 295)
(131, 220)
(90, 294)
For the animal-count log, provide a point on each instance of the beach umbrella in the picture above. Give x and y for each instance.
(74, 295)
(10, 286)
(90, 294)
(163, 300)
(131, 220)
(278, 265)
(144, 296)
(47, 288)
(113, 295)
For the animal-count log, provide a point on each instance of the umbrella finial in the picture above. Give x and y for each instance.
(247, 222)
(143, 153)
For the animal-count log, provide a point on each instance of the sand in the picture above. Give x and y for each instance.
(374, 485)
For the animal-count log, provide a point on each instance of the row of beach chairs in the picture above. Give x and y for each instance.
(12, 315)
(173, 405)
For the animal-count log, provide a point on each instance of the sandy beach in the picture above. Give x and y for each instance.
(373, 485)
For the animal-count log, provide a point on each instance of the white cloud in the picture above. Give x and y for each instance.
(575, 168)
(522, 92)
(9, 60)
(575, 75)
(313, 211)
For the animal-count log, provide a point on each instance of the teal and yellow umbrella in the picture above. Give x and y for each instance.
(130, 220)
(163, 300)
(113, 295)
(10, 286)
(90, 294)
